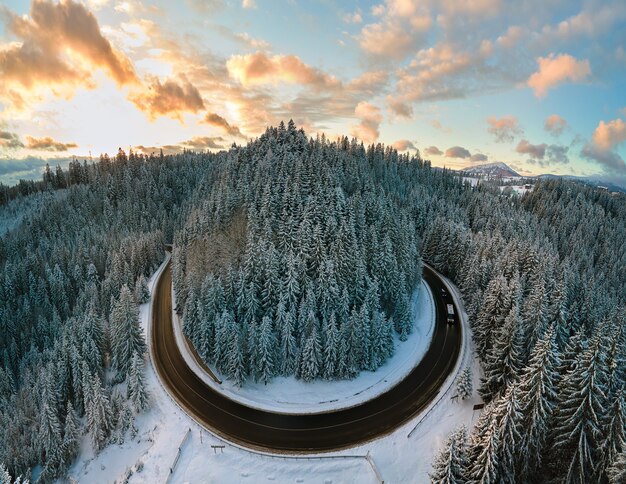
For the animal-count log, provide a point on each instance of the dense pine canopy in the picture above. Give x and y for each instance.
(308, 251)
(298, 256)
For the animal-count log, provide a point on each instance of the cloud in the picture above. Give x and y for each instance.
(607, 136)
(370, 82)
(60, 46)
(555, 70)
(29, 168)
(399, 108)
(371, 117)
(534, 151)
(10, 140)
(435, 123)
(242, 38)
(204, 142)
(47, 144)
(478, 157)
(167, 149)
(504, 129)
(593, 20)
(557, 154)
(404, 145)
(353, 18)
(433, 151)
(555, 124)
(457, 152)
(472, 7)
(259, 68)
(171, 98)
(442, 72)
(609, 159)
(219, 122)
(248, 4)
(402, 27)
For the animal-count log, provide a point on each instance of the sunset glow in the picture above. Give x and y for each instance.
(538, 85)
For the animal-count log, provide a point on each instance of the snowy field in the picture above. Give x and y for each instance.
(519, 189)
(290, 395)
(404, 456)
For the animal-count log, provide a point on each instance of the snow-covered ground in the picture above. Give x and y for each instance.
(519, 189)
(403, 456)
(290, 395)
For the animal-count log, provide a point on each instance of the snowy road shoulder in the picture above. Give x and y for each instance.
(293, 396)
(206, 458)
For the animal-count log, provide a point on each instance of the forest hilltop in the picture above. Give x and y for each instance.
(296, 255)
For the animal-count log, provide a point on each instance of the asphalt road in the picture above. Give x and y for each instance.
(301, 433)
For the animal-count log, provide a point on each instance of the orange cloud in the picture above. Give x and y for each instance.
(439, 72)
(504, 129)
(607, 136)
(204, 142)
(554, 70)
(60, 44)
(47, 144)
(472, 7)
(167, 149)
(555, 124)
(370, 116)
(219, 122)
(259, 68)
(433, 151)
(535, 151)
(457, 152)
(402, 27)
(170, 98)
(404, 145)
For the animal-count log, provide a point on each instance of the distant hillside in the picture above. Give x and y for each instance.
(592, 181)
(492, 170)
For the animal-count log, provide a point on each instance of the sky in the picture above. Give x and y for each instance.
(538, 84)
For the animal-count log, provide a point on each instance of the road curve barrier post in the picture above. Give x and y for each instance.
(176, 459)
(369, 459)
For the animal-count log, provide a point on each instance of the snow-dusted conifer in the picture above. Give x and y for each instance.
(450, 463)
(142, 293)
(464, 386)
(126, 334)
(136, 390)
(267, 348)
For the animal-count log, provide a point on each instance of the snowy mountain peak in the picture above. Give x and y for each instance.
(498, 169)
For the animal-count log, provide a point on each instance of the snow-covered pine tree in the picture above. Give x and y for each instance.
(142, 293)
(126, 333)
(310, 357)
(537, 396)
(483, 458)
(71, 435)
(50, 427)
(136, 388)
(266, 351)
(581, 405)
(331, 349)
(464, 385)
(98, 413)
(504, 359)
(235, 365)
(451, 461)
(495, 308)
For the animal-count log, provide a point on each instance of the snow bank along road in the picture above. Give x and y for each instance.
(332, 430)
